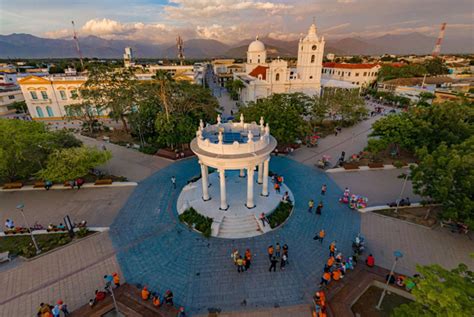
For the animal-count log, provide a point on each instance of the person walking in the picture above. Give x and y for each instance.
(325, 279)
(270, 252)
(278, 250)
(235, 255)
(283, 262)
(48, 184)
(323, 189)
(248, 257)
(332, 249)
(263, 219)
(173, 181)
(277, 188)
(79, 183)
(63, 308)
(108, 280)
(320, 236)
(273, 264)
(319, 209)
(285, 252)
(310, 205)
(240, 264)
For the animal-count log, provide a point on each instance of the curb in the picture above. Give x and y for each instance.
(365, 168)
(61, 187)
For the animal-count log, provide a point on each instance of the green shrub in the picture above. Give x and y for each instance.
(398, 164)
(280, 214)
(197, 221)
(149, 149)
(82, 232)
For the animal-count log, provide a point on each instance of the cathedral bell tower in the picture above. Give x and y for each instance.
(310, 57)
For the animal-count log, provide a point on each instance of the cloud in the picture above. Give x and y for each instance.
(346, 1)
(336, 27)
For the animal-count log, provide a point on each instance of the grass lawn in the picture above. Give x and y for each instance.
(365, 305)
(23, 245)
(415, 215)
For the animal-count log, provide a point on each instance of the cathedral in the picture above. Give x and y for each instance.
(261, 79)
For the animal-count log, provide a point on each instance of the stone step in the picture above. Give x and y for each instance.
(233, 222)
(239, 227)
(239, 235)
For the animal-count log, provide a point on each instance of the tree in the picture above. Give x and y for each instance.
(355, 60)
(347, 104)
(71, 163)
(87, 113)
(435, 67)
(25, 146)
(439, 292)
(19, 106)
(447, 176)
(163, 80)
(285, 114)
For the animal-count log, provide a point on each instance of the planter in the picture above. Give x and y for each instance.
(39, 185)
(107, 181)
(376, 165)
(350, 166)
(12, 185)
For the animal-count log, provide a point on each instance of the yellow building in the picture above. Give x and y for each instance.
(46, 97)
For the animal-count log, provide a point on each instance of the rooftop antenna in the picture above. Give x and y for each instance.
(179, 44)
(76, 40)
(437, 48)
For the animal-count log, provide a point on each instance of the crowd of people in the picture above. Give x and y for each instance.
(277, 254)
(242, 262)
(47, 310)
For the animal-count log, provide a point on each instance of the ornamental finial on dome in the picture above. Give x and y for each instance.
(218, 119)
(250, 136)
(201, 124)
(261, 123)
(267, 129)
(242, 119)
(256, 38)
(220, 137)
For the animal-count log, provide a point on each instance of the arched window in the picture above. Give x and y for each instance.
(258, 61)
(50, 111)
(39, 111)
(313, 58)
(277, 77)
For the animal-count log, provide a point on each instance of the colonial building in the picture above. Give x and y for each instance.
(361, 75)
(46, 97)
(9, 94)
(261, 79)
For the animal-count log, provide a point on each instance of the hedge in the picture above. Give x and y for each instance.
(197, 221)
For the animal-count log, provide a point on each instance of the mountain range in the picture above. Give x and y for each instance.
(30, 46)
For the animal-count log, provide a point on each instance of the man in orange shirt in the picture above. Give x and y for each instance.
(145, 293)
(332, 248)
(270, 252)
(330, 262)
(320, 236)
(248, 257)
(325, 279)
(336, 275)
(116, 279)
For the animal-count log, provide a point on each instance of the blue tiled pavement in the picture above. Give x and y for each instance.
(153, 248)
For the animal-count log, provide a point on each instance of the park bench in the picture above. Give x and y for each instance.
(39, 185)
(5, 257)
(106, 181)
(12, 185)
(350, 166)
(454, 226)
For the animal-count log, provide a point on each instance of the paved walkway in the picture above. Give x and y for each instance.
(130, 163)
(154, 249)
(71, 274)
(97, 206)
(419, 244)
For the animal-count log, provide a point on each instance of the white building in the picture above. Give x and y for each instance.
(262, 79)
(8, 96)
(128, 57)
(361, 75)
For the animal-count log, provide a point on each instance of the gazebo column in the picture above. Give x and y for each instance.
(205, 182)
(260, 173)
(265, 177)
(224, 205)
(250, 180)
(242, 173)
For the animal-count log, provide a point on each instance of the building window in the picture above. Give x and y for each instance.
(313, 58)
(348, 73)
(39, 111)
(258, 61)
(50, 111)
(365, 74)
(314, 47)
(310, 77)
(357, 83)
(33, 94)
(44, 95)
(63, 95)
(357, 74)
(376, 73)
(277, 77)
(11, 97)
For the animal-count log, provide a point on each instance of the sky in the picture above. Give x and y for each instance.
(229, 21)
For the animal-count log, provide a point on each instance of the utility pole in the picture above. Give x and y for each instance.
(437, 48)
(20, 208)
(398, 255)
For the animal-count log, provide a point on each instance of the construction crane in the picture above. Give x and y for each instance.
(179, 44)
(76, 40)
(437, 48)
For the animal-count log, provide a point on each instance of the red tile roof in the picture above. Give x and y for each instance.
(259, 70)
(349, 66)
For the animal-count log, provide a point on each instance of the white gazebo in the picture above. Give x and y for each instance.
(234, 146)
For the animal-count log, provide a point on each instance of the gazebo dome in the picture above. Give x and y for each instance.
(256, 46)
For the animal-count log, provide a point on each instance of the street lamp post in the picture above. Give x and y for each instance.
(398, 255)
(20, 208)
(401, 193)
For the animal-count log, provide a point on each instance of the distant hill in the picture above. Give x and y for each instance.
(29, 46)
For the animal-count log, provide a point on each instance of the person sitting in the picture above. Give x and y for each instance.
(145, 293)
(336, 275)
(390, 278)
(48, 184)
(51, 227)
(156, 300)
(370, 261)
(400, 281)
(263, 219)
(9, 224)
(61, 227)
(181, 312)
(99, 296)
(169, 298)
(286, 197)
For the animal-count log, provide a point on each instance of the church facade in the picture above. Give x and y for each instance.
(262, 79)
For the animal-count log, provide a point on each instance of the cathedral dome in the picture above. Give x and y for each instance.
(256, 46)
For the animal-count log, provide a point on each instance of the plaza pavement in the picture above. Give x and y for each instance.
(70, 274)
(153, 248)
